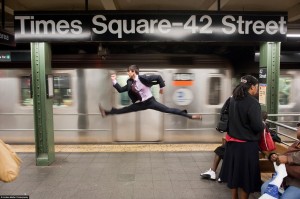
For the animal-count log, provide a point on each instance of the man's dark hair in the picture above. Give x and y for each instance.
(133, 68)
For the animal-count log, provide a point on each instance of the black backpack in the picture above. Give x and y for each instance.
(224, 117)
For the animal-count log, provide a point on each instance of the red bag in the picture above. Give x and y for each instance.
(266, 142)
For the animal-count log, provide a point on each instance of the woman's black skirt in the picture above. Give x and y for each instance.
(240, 168)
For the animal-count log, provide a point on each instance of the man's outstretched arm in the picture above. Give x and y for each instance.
(116, 85)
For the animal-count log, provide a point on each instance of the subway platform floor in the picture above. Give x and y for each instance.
(118, 174)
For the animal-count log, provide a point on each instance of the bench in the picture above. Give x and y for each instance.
(266, 166)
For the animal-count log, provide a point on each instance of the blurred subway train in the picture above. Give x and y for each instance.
(199, 86)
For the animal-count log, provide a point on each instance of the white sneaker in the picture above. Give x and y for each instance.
(210, 174)
(266, 196)
(219, 180)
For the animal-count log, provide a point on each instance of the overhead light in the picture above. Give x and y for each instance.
(293, 35)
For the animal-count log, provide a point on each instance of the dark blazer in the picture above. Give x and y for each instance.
(147, 80)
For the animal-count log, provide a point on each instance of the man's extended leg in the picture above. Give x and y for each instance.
(127, 109)
(153, 104)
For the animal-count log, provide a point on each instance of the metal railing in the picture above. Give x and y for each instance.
(87, 114)
(278, 124)
(75, 114)
(281, 124)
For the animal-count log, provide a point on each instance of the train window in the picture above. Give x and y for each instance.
(62, 90)
(124, 99)
(214, 96)
(26, 99)
(284, 90)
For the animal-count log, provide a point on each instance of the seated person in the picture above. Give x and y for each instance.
(291, 183)
(211, 173)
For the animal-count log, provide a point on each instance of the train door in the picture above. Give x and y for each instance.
(142, 126)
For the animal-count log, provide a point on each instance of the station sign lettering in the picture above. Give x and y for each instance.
(183, 79)
(5, 56)
(183, 76)
(150, 26)
(7, 38)
(263, 74)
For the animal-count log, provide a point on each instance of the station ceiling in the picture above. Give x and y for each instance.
(290, 6)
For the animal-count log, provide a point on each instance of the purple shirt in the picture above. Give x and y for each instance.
(144, 91)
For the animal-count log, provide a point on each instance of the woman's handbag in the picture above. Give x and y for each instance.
(9, 163)
(266, 142)
(224, 118)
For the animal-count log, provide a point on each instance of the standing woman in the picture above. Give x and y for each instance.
(240, 168)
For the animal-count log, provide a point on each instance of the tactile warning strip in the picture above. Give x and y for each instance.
(123, 148)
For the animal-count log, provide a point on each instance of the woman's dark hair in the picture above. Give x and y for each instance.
(133, 68)
(241, 90)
